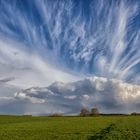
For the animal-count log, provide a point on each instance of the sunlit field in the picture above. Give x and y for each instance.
(69, 128)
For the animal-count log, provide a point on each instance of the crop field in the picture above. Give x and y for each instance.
(70, 128)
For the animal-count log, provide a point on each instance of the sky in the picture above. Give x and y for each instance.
(43, 41)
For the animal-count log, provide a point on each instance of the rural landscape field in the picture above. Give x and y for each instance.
(70, 128)
(69, 69)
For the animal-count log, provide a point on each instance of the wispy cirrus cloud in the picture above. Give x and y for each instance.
(28, 69)
(103, 41)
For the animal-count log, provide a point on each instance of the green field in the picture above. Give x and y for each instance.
(70, 128)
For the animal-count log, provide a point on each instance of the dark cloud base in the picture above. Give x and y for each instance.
(110, 96)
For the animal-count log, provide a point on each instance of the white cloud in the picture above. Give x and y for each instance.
(28, 68)
(86, 97)
(93, 44)
(116, 97)
(23, 96)
(72, 97)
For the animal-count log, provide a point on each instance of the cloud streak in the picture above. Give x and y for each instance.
(103, 41)
(28, 69)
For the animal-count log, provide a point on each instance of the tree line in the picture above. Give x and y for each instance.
(93, 112)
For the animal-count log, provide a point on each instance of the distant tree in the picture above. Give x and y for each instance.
(84, 112)
(135, 113)
(94, 111)
(56, 115)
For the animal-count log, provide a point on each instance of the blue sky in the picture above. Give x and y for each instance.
(44, 41)
(91, 37)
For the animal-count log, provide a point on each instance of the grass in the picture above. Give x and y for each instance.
(70, 128)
